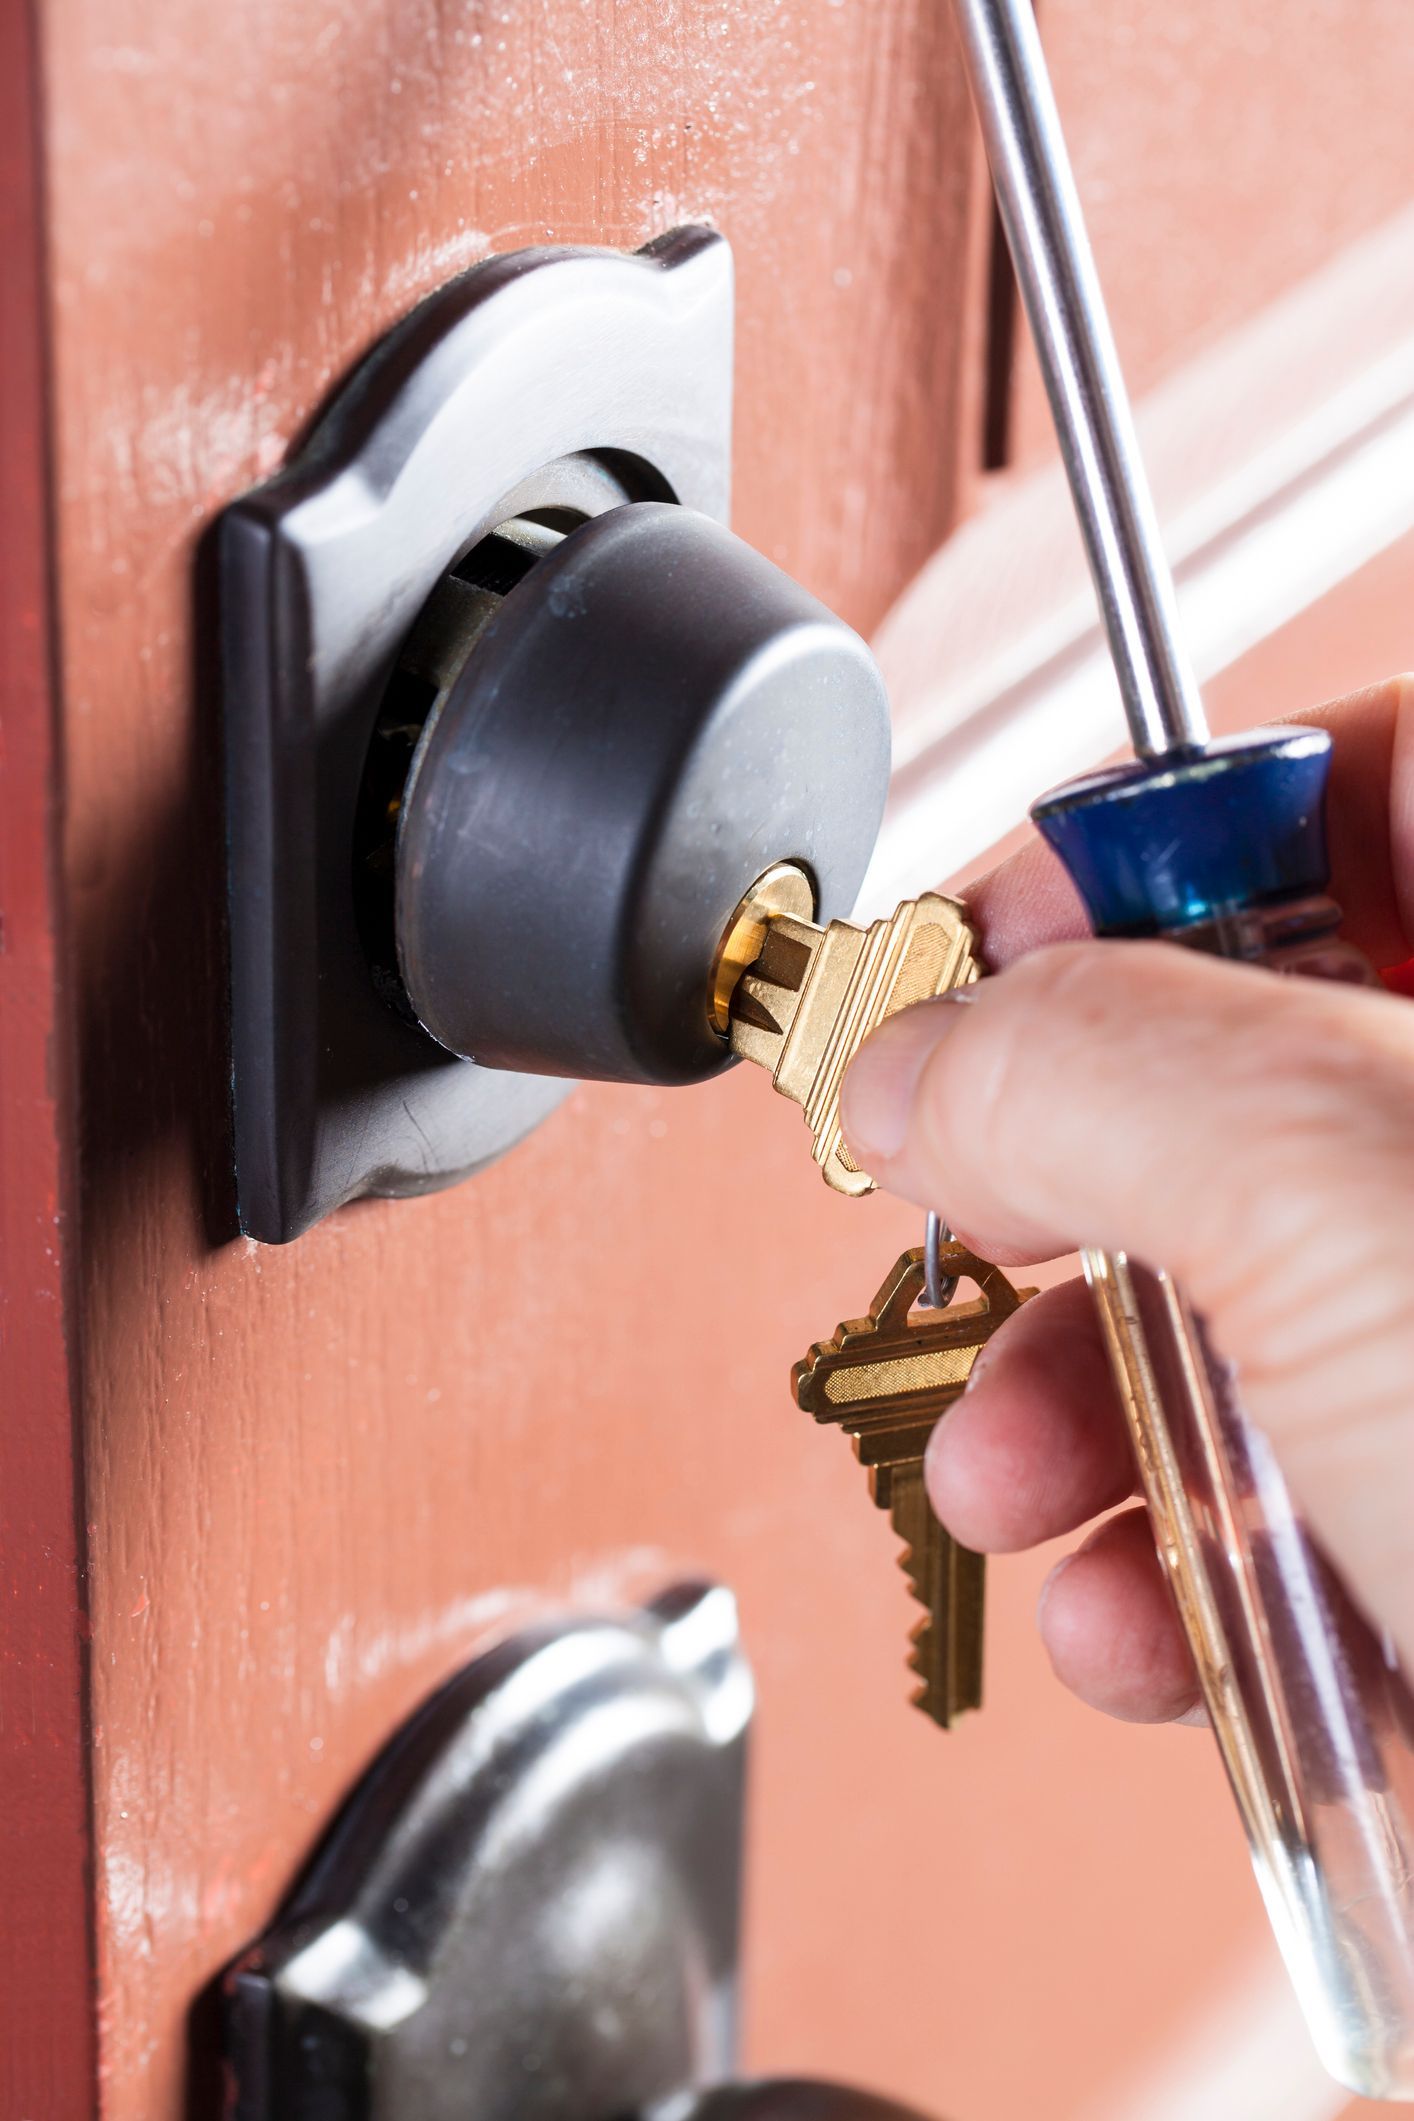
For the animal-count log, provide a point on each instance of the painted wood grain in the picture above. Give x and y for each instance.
(1282, 464)
(47, 2043)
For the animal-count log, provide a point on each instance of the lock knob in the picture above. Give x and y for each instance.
(646, 720)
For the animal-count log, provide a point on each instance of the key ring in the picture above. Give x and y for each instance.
(939, 1289)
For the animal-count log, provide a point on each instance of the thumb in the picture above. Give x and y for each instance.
(1254, 1135)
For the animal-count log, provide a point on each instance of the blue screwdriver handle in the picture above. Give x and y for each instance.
(1221, 846)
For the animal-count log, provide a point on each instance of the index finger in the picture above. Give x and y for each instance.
(1029, 900)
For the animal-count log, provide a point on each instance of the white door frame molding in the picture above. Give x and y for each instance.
(1282, 461)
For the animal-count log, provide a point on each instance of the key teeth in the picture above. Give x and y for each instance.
(948, 1689)
(912, 1562)
(927, 1696)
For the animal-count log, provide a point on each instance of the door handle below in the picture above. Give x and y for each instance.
(528, 1909)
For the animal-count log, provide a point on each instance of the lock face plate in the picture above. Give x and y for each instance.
(528, 1910)
(563, 379)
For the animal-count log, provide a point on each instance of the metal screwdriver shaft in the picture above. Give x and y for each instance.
(1041, 214)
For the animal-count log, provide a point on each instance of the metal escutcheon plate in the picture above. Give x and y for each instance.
(528, 1910)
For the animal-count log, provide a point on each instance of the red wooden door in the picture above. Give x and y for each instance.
(259, 1501)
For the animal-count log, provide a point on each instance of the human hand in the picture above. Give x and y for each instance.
(1254, 1135)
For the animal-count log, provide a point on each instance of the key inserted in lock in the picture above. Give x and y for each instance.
(589, 738)
(811, 995)
(621, 741)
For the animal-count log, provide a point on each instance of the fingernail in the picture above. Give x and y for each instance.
(876, 1102)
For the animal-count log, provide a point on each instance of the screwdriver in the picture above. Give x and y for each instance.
(1219, 845)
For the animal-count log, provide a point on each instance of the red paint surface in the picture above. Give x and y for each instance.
(46, 1989)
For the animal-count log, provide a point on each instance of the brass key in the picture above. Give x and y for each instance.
(810, 995)
(886, 1380)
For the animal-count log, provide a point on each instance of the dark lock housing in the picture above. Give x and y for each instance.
(620, 744)
(512, 725)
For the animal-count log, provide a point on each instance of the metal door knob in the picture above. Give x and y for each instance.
(627, 725)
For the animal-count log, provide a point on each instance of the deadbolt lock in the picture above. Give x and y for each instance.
(634, 724)
(515, 726)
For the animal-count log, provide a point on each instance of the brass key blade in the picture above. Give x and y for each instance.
(886, 1380)
(949, 1582)
(814, 994)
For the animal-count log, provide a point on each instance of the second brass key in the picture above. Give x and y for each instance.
(886, 1380)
